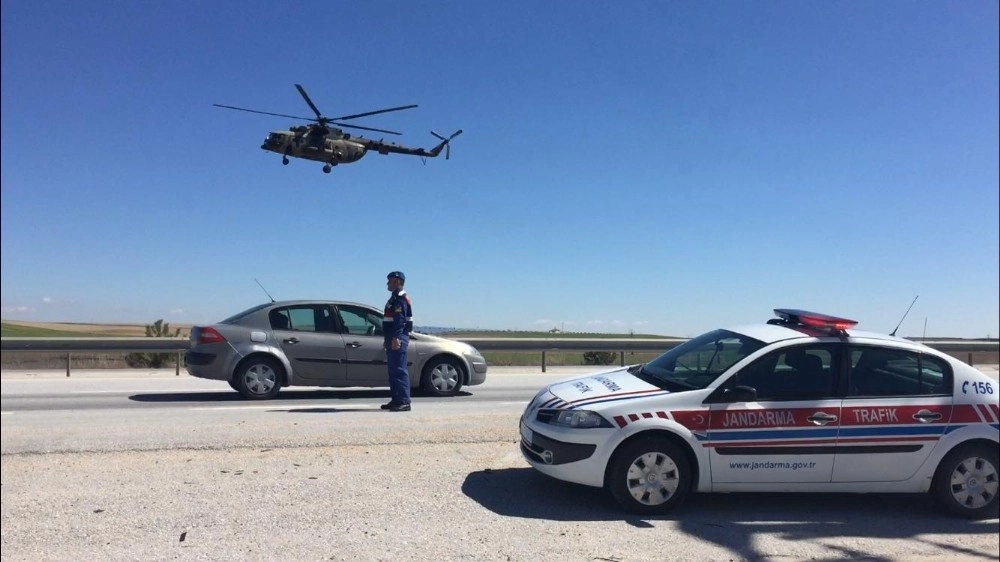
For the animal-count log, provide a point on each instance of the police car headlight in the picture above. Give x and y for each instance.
(578, 419)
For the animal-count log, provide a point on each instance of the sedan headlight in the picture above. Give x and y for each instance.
(575, 418)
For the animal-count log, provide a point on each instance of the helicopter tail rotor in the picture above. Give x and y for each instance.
(445, 143)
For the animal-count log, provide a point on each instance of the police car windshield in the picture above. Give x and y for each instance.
(694, 364)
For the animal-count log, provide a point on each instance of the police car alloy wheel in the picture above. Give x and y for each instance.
(649, 476)
(258, 378)
(967, 481)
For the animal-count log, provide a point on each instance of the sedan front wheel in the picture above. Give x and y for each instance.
(442, 377)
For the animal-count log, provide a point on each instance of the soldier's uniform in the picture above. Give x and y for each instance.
(397, 323)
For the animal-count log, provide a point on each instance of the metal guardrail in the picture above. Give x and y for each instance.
(68, 346)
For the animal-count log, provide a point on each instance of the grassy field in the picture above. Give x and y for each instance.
(8, 330)
(22, 329)
(116, 360)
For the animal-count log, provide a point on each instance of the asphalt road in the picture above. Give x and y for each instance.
(157, 467)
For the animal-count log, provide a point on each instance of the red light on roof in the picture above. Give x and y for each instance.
(814, 319)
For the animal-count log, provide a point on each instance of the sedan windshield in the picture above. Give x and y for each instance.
(694, 364)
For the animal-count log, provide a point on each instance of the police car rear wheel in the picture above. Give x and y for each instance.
(649, 476)
(442, 377)
(967, 481)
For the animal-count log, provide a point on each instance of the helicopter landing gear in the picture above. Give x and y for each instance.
(327, 168)
(284, 160)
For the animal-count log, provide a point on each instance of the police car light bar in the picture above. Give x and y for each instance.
(814, 319)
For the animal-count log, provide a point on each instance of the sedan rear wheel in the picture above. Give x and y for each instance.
(258, 378)
(442, 377)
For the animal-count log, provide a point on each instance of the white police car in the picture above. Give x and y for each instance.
(803, 403)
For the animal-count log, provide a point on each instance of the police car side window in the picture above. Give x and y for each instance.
(935, 375)
(796, 373)
(879, 371)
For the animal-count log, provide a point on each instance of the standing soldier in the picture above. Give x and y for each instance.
(397, 323)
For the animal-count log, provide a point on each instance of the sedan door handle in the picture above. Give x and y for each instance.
(822, 418)
(927, 416)
(291, 340)
(354, 344)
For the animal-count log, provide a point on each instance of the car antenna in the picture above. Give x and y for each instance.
(904, 316)
(265, 290)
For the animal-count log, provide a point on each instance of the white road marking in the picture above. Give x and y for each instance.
(144, 390)
(284, 407)
(6, 413)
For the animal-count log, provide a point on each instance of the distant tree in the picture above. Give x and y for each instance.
(158, 329)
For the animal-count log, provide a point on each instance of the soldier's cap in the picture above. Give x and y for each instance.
(396, 275)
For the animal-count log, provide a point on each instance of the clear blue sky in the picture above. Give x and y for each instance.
(664, 167)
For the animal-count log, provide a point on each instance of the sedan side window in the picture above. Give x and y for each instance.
(795, 373)
(359, 321)
(316, 318)
(879, 371)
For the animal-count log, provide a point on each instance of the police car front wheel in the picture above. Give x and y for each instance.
(649, 476)
(967, 481)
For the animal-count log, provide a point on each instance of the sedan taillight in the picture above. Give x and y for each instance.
(210, 335)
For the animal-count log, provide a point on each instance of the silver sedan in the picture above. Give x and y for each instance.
(322, 344)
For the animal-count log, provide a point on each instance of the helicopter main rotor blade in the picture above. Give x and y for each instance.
(355, 116)
(265, 112)
(305, 96)
(365, 128)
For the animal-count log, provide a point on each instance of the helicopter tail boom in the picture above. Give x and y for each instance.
(386, 148)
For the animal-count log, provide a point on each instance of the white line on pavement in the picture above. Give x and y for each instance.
(145, 390)
(286, 408)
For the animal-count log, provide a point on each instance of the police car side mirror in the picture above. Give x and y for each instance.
(738, 393)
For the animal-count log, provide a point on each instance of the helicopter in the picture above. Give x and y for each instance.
(324, 140)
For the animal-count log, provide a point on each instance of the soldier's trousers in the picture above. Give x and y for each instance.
(399, 377)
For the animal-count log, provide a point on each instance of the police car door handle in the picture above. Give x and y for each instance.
(291, 340)
(822, 418)
(354, 344)
(927, 416)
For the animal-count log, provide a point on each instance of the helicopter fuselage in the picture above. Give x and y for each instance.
(327, 150)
